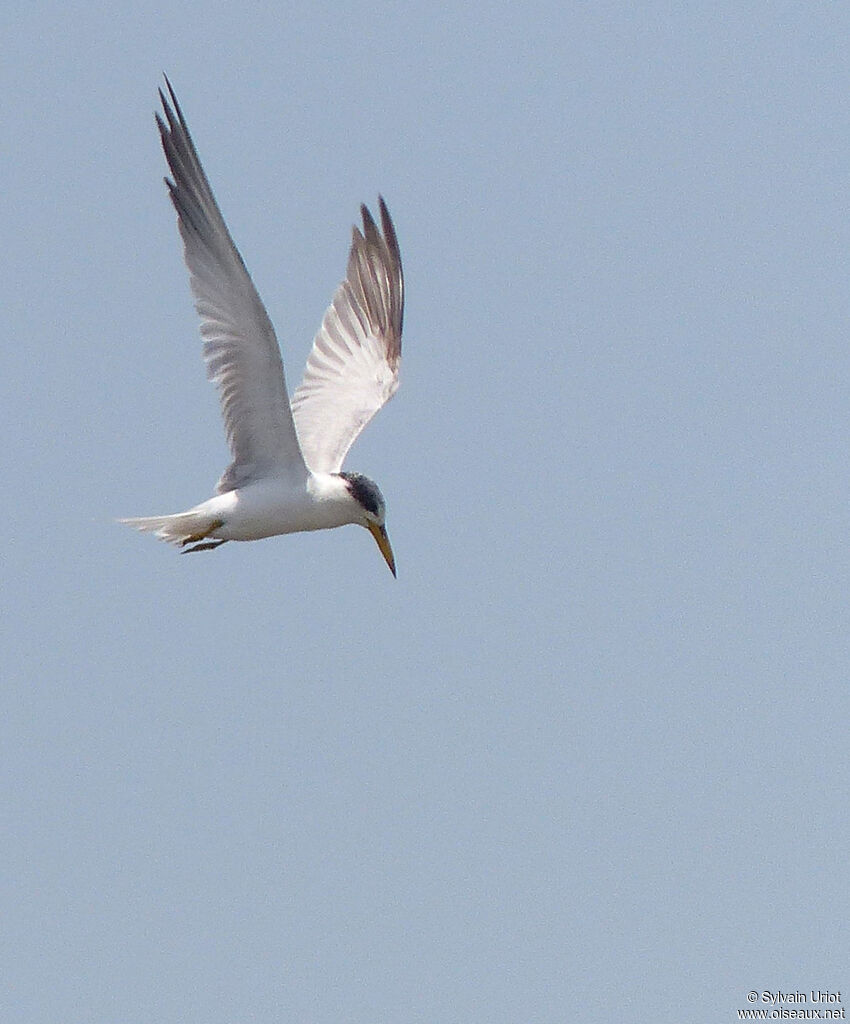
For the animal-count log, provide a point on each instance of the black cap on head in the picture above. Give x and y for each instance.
(364, 492)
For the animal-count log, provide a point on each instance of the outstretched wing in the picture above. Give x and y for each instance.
(353, 366)
(240, 348)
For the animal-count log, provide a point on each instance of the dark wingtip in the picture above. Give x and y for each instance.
(389, 230)
(382, 207)
(170, 88)
(370, 228)
(171, 106)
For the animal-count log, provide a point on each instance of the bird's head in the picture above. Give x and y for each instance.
(371, 512)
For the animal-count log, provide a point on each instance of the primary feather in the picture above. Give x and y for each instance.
(240, 348)
(353, 369)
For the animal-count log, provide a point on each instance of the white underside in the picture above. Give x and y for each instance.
(272, 507)
(264, 508)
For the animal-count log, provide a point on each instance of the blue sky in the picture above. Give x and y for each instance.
(587, 758)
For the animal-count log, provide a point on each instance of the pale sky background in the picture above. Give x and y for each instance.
(587, 759)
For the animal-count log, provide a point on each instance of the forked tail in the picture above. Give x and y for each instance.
(180, 529)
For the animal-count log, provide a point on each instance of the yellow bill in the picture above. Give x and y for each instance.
(383, 542)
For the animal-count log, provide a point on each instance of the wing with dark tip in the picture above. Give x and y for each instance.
(354, 363)
(240, 349)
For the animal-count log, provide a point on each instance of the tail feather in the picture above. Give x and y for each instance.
(176, 529)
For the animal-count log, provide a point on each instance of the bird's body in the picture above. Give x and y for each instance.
(286, 474)
(264, 508)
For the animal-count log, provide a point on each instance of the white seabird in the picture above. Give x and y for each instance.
(285, 476)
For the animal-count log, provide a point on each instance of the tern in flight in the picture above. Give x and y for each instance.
(286, 473)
